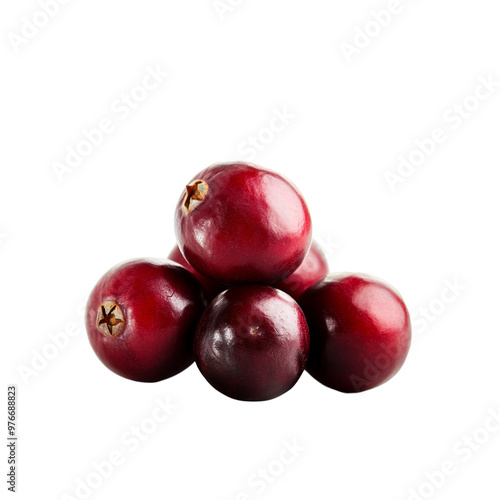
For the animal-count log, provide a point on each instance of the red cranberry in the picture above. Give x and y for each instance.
(313, 268)
(360, 331)
(141, 317)
(239, 223)
(252, 342)
(212, 288)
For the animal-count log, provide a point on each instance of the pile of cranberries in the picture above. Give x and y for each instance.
(247, 295)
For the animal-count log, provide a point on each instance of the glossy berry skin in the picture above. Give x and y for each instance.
(212, 288)
(313, 268)
(141, 318)
(360, 331)
(239, 223)
(252, 342)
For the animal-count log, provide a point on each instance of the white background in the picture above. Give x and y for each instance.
(229, 72)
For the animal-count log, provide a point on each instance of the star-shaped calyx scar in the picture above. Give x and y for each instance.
(195, 194)
(110, 320)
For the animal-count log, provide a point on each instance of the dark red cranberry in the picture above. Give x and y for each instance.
(313, 268)
(252, 343)
(212, 288)
(141, 317)
(360, 331)
(239, 223)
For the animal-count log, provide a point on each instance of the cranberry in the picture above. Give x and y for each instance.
(313, 268)
(141, 317)
(360, 331)
(212, 288)
(239, 223)
(252, 342)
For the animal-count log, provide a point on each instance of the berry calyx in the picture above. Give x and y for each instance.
(110, 319)
(195, 194)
